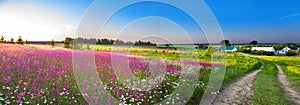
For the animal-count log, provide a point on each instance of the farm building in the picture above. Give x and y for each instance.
(228, 48)
(268, 49)
(284, 50)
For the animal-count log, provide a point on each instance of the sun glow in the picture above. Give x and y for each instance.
(31, 22)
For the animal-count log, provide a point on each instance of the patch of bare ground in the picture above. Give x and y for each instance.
(239, 92)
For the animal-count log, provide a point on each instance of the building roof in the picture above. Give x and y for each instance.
(278, 47)
(227, 47)
(263, 49)
(293, 47)
(282, 47)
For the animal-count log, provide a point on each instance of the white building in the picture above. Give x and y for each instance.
(284, 50)
(268, 49)
(228, 48)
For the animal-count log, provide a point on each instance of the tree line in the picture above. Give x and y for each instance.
(12, 40)
(69, 42)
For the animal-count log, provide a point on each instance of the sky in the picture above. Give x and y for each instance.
(241, 21)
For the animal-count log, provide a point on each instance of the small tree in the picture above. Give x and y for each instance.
(225, 42)
(254, 42)
(12, 40)
(68, 43)
(20, 40)
(52, 43)
(2, 38)
(26, 42)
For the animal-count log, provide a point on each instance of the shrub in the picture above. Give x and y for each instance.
(246, 50)
(291, 53)
(269, 53)
(261, 52)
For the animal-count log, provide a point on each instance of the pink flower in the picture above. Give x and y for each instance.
(21, 95)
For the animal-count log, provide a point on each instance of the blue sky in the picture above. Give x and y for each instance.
(241, 20)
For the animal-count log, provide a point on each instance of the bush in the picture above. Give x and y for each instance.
(269, 53)
(291, 53)
(246, 50)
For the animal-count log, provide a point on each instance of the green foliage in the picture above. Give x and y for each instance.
(20, 40)
(261, 52)
(254, 42)
(12, 40)
(291, 53)
(246, 50)
(52, 43)
(68, 43)
(2, 39)
(225, 42)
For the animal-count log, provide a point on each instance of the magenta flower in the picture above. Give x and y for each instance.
(20, 95)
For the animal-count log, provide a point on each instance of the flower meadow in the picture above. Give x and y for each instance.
(55, 76)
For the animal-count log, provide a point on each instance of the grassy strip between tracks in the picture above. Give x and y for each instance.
(267, 90)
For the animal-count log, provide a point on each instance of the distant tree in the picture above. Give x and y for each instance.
(12, 40)
(26, 42)
(52, 43)
(291, 44)
(68, 43)
(254, 42)
(20, 40)
(208, 51)
(2, 38)
(167, 45)
(225, 43)
(298, 53)
(291, 53)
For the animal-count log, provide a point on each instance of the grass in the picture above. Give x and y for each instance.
(290, 66)
(267, 91)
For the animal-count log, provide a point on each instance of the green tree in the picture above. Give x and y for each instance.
(225, 43)
(68, 43)
(20, 40)
(52, 43)
(26, 42)
(12, 40)
(2, 38)
(254, 42)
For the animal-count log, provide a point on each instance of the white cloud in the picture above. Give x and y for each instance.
(289, 16)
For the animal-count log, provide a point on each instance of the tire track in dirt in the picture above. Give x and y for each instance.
(238, 92)
(289, 93)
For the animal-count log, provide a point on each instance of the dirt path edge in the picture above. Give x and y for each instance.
(239, 92)
(289, 93)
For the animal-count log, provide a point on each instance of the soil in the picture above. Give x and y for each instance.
(239, 92)
(289, 93)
